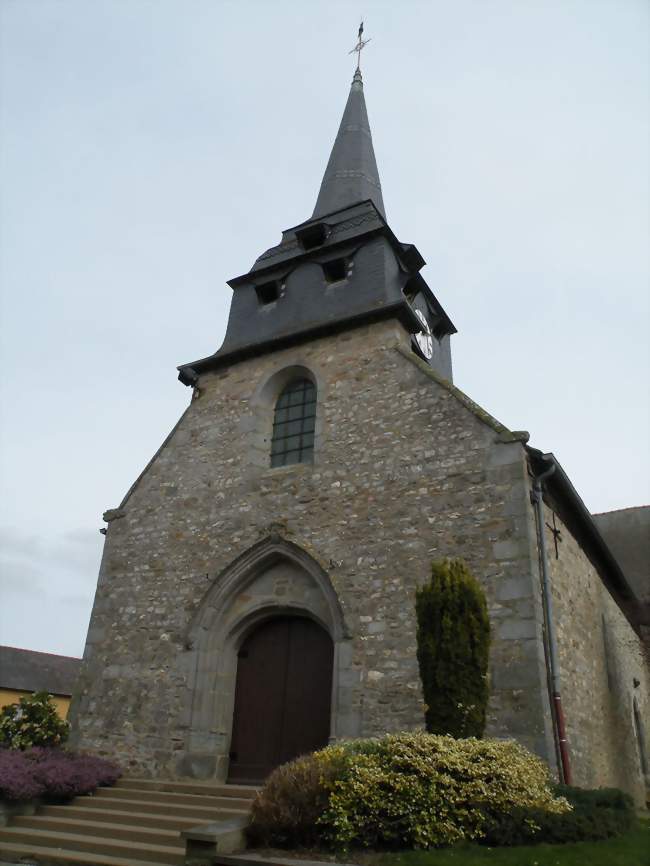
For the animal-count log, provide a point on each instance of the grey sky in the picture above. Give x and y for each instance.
(151, 150)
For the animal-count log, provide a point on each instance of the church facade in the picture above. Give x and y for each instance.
(256, 592)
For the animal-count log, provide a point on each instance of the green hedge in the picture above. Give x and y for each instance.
(596, 814)
(453, 642)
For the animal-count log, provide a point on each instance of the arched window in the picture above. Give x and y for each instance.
(293, 424)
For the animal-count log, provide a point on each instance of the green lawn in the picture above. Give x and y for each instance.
(633, 849)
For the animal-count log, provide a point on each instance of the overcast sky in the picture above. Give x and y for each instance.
(151, 149)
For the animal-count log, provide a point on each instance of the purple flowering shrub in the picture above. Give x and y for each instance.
(17, 780)
(52, 773)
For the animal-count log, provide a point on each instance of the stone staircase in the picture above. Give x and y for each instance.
(138, 822)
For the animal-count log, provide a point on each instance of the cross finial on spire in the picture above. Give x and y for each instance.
(358, 48)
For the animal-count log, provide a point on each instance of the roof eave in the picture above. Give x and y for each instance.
(614, 579)
(401, 310)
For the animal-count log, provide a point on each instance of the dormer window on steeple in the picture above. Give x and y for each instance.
(313, 236)
(269, 292)
(335, 270)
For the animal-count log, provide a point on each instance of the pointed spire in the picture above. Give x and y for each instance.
(351, 175)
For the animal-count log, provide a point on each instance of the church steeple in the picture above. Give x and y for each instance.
(351, 175)
(338, 270)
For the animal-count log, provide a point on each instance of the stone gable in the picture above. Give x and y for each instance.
(403, 473)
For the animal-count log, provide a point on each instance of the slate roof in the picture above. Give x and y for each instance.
(574, 513)
(29, 671)
(351, 175)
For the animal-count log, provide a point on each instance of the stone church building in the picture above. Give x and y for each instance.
(256, 592)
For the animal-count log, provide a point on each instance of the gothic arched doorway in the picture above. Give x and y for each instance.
(282, 696)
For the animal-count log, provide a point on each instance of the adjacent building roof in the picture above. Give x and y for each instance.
(627, 533)
(28, 671)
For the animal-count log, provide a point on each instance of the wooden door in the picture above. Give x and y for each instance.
(282, 696)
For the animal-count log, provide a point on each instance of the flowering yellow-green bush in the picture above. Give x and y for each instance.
(404, 790)
(33, 721)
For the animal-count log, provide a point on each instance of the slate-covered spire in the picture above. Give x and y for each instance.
(338, 270)
(351, 175)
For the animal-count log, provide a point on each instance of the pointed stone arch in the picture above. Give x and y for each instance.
(274, 577)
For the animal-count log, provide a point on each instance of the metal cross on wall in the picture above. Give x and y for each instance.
(358, 48)
(557, 536)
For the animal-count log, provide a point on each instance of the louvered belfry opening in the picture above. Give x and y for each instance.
(293, 424)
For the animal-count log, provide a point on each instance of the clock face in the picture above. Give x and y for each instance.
(423, 338)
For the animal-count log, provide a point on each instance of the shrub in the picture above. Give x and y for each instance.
(453, 640)
(294, 797)
(597, 814)
(598, 798)
(52, 773)
(17, 779)
(33, 721)
(403, 790)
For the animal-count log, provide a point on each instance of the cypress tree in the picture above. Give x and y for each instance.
(453, 641)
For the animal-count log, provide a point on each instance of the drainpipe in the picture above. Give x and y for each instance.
(551, 640)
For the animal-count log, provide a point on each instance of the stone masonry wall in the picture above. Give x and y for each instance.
(600, 660)
(403, 473)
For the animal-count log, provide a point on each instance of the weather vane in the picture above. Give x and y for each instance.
(358, 48)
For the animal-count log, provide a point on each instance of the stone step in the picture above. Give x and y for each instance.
(203, 801)
(213, 789)
(144, 852)
(88, 827)
(217, 837)
(139, 822)
(10, 851)
(93, 812)
(99, 801)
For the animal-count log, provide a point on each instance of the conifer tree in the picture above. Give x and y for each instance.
(453, 640)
